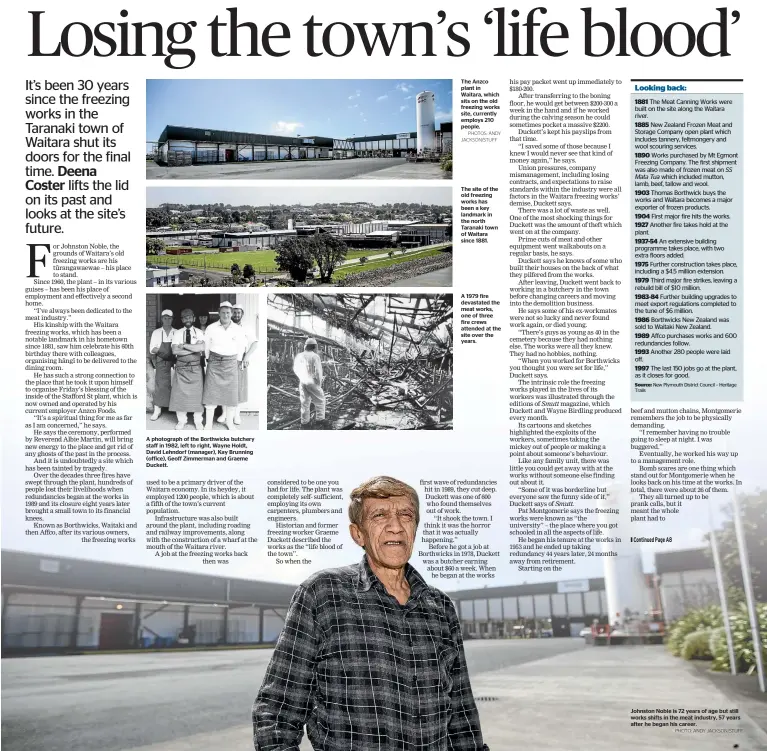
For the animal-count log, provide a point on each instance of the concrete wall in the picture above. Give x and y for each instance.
(687, 590)
(41, 621)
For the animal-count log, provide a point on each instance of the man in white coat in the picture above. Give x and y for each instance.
(224, 349)
(188, 377)
(160, 349)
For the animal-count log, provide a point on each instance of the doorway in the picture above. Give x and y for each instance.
(116, 631)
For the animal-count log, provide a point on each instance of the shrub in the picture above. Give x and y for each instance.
(742, 642)
(717, 645)
(694, 620)
(696, 645)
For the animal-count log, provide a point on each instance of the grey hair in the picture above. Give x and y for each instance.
(380, 487)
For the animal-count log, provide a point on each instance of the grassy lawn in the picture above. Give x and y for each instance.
(261, 260)
(382, 263)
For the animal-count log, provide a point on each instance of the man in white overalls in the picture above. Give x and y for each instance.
(308, 368)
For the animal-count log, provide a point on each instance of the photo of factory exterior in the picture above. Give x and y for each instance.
(417, 144)
(299, 237)
(90, 645)
(59, 604)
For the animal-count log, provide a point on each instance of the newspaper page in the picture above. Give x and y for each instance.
(432, 417)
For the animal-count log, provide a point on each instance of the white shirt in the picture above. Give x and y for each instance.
(179, 336)
(244, 336)
(308, 367)
(159, 336)
(225, 341)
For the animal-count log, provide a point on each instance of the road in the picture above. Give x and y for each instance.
(114, 702)
(326, 169)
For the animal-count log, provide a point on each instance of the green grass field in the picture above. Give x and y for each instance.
(261, 260)
(381, 264)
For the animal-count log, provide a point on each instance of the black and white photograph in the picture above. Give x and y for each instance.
(200, 372)
(360, 362)
(300, 236)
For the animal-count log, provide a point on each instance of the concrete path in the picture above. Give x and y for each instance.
(536, 695)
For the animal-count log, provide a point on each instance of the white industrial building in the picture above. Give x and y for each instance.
(58, 604)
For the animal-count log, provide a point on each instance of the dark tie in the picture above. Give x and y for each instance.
(188, 336)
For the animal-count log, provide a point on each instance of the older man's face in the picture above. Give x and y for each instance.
(387, 531)
(225, 315)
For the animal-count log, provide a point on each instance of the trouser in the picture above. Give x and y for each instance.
(181, 417)
(311, 393)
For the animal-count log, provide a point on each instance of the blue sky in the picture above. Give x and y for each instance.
(337, 108)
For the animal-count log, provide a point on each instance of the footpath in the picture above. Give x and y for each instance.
(579, 701)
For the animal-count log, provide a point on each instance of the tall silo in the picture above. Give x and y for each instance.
(424, 120)
(625, 585)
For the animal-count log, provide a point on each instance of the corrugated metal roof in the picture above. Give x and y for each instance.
(212, 135)
(57, 574)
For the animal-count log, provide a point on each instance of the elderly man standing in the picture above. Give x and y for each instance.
(370, 657)
(186, 392)
(224, 346)
(308, 369)
(160, 348)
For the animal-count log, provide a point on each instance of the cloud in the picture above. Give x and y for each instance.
(355, 95)
(408, 97)
(443, 117)
(382, 97)
(282, 127)
(353, 106)
(403, 107)
(403, 87)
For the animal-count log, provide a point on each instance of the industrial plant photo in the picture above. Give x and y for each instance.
(359, 362)
(299, 129)
(300, 236)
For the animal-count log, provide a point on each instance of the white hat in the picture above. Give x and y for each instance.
(309, 342)
(224, 304)
(166, 312)
(238, 306)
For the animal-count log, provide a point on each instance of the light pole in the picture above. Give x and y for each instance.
(748, 586)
